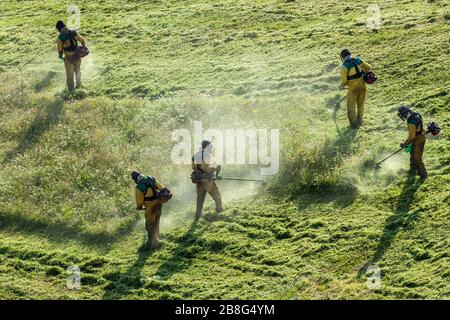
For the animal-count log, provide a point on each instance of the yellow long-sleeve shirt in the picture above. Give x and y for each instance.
(140, 195)
(414, 128)
(347, 69)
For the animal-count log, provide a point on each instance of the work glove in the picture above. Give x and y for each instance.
(409, 148)
(406, 147)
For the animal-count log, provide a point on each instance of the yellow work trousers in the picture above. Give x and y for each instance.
(355, 99)
(210, 187)
(416, 156)
(152, 216)
(73, 65)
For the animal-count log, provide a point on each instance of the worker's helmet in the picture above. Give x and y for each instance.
(403, 112)
(205, 143)
(136, 175)
(344, 53)
(60, 25)
(165, 195)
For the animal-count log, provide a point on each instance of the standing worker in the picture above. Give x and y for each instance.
(150, 196)
(67, 46)
(416, 139)
(203, 176)
(352, 71)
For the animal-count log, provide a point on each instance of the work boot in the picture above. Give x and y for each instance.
(423, 172)
(155, 245)
(219, 210)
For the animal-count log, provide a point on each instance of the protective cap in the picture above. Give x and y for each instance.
(60, 25)
(205, 143)
(344, 53)
(135, 175)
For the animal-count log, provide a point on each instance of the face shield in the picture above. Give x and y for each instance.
(402, 116)
(403, 112)
(136, 176)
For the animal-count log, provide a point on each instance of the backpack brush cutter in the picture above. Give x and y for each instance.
(378, 164)
(237, 179)
(198, 176)
(432, 128)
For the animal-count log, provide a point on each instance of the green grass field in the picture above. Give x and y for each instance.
(155, 66)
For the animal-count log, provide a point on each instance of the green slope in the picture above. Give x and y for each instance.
(65, 193)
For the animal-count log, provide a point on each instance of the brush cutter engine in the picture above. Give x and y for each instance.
(196, 176)
(83, 51)
(433, 128)
(370, 77)
(165, 195)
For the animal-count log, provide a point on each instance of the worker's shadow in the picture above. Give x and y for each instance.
(60, 231)
(335, 114)
(45, 82)
(343, 143)
(181, 255)
(337, 103)
(124, 283)
(38, 127)
(401, 218)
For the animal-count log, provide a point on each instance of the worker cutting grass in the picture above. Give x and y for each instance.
(150, 196)
(71, 53)
(415, 143)
(355, 73)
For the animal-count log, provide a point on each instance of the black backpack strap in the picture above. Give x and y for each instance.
(420, 120)
(198, 165)
(358, 74)
(73, 42)
(149, 183)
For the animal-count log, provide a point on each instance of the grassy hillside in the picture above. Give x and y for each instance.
(156, 66)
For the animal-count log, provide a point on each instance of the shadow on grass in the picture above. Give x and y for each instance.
(343, 143)
(38, 127)
(44, 83)
(338, 200)
(124, 283)
(61, 232)
(401, 218)
(181, 256)
(337, 105)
